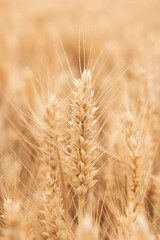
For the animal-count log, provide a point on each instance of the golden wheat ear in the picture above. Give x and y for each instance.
(136, 177)
(54, 224)
(51, 210)
(135, 161)
(80, 170)
(50, 133)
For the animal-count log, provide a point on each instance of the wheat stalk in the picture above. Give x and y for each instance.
(16, 224)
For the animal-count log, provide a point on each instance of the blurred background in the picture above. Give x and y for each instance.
(41, 42)
(32, 32)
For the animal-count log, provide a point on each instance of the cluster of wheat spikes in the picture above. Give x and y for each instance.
(79, 120)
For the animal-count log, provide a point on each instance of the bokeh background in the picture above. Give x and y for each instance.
(43, 44)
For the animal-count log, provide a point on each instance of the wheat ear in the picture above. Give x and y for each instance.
(54, 223)
(80, 170)
(135, 162)
(52, 119)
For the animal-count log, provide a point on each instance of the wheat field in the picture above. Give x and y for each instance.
(79, 120)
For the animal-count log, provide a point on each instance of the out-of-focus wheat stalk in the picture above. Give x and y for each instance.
(16, 225)
(86, 229)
